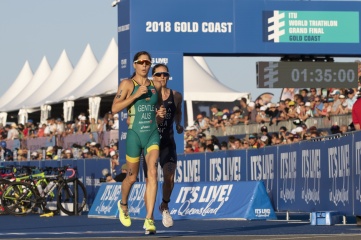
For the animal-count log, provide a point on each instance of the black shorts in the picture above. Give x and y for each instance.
(167, 153)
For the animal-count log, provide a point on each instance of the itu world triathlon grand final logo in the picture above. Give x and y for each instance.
(275, 23)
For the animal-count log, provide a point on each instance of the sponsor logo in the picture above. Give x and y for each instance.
(339, 171)
(262, 168)
(159, 60)
(225, 169)
(288, 174)
(123, 63)
(192, 200)
(123, 115)
(311, 175)
(188, 171)
(276, 24)
(123, 136)
(262, 212)
(108, 199)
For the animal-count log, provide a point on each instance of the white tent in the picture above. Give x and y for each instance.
(92, 80)
(41, 74)
(61, 71)
(19, 84)
(201, 85)
(104, 68)
(86, 65)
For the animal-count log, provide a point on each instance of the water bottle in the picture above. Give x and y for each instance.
(40, 189)
(49, 187)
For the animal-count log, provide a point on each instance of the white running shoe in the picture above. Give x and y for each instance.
(167, 219)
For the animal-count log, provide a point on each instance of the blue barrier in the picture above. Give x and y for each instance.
(203, 200)
(306, 177)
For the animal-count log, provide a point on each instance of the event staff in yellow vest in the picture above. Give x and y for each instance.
(140, 96)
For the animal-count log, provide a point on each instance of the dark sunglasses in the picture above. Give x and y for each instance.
(158, 74)
(141, 62)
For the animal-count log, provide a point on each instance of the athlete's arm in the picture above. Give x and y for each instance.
(160, 110)
(178, 99)
(123, 98)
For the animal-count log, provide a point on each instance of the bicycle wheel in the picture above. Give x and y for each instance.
(66, 196)
(3, 184)
(18, 198)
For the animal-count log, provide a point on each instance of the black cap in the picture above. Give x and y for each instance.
(264, 129)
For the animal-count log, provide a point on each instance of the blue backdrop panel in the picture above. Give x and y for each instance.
(356, 173)
(191, 168)
(339, 178)
(92, 174)
(261, 166)
(105, 202)
(191, 201)
(289, 176)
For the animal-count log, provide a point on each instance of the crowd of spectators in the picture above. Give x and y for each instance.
(56, 127)
(307, 103)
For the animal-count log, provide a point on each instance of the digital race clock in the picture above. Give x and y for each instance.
(307, 74)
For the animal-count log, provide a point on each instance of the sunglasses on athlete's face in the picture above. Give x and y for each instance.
(158, 74)
(141, 62)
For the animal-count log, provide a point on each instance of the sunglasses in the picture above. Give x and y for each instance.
(141, 62)
(158, 74)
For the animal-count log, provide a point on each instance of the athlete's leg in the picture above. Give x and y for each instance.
(130, 179)
(168, 184)
(151, 159)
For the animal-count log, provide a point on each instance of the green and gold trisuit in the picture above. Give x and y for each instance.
(142, 129)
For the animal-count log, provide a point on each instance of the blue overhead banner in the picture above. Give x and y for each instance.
(254, 27)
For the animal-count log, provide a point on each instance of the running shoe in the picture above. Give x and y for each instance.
(167, 219)
(124, 218)
(149, 226)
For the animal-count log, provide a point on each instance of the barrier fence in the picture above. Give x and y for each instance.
(307, 176)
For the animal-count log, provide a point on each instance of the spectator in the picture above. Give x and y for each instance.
(252, 113)
(93, 126)
(262, 116)
(292, 110)
(13, 133)
(214, 118)
(267, 139)
(244, 114)
(253, 141)
(351, 99)
(68, 154)
(188, 148)
(335, 94)
(115, 122)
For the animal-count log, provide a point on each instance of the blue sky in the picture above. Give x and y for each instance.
(31, 30)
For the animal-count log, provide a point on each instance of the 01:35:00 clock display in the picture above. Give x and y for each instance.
(323, 75)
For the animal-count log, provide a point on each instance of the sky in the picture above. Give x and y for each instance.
(30, 30)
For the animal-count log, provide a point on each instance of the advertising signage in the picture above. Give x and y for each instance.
(247, 27)
(307, 74)
(311, 27)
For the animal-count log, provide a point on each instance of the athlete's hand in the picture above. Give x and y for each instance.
(141, 90)
(179, 129)
(161, 111)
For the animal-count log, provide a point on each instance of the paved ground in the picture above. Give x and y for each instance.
(82, 227)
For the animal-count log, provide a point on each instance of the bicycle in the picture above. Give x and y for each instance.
(21, 198)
